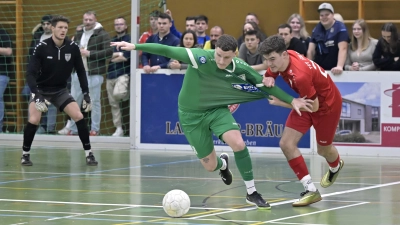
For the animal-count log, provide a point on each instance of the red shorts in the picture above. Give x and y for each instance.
(325, 124)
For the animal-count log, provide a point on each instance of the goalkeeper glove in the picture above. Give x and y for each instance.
(86, 104)
(40, 103)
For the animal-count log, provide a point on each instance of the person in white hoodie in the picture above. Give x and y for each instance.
(94, 43)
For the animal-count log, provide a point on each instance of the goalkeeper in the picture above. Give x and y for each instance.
(48, 71)
(215, 79)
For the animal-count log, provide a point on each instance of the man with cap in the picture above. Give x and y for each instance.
(42, 32)
(329, 41)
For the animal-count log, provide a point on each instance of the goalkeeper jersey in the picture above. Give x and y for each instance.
(205, 86)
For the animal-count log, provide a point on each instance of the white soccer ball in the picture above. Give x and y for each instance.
(176, 203)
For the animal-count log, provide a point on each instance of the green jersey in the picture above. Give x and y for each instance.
(205, 86)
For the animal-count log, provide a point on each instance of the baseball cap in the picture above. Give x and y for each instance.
(46, 18)
(326, 6)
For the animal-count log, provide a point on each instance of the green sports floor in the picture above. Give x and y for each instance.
(127, 187)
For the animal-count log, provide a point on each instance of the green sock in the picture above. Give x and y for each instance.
(220, 163)
(243, 163)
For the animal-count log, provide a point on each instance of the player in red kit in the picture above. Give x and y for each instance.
(309, 80)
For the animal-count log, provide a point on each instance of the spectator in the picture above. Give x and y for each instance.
(215, 33)
(329, 41)
(151, 62)
(252, 17)
(201, 27)
(248, 50)
(387, 51)
(6, 53)
(153, 30)
(94, 43)
(188, 40)
(299, 31)
(39, 33)
(338, 17)
(250, 26)
(285, 31)
(118, 75)
(190, 24)
(361, 49)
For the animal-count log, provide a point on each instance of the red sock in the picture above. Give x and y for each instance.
(334, 163)
(299, 167)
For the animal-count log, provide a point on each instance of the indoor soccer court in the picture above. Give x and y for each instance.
(127, 187)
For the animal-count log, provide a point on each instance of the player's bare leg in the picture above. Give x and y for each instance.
(331, 155)
(288, 143)
(73, 111)
(243, 162)
(29, 134)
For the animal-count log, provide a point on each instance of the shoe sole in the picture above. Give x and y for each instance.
(261, 208)
(306, 204)
(91, 164)
(29, 164)
(340, 168)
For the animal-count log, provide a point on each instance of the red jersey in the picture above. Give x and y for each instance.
(308, 79)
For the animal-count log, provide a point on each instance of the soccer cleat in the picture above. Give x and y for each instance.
(226, 174)
(329, 178)
(90, 160)
(257, 200)
(307, 198)
(25, 160)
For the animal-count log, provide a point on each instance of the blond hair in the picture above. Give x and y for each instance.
(303, 32)
(365, 38)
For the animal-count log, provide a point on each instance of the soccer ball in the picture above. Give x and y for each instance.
(176, 203)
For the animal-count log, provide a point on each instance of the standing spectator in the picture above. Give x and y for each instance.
(94, 43)
(299, 31)
(285, 31)
(118, 75)
(201, 27)
(329, 41)
(153, 27)
(151, 62)
(387, 51)
(248, 50)
(215, 33)
(362, 46)
(189, 23)
(39, 33)
(250, 26)
(188, 40)
(5, 68)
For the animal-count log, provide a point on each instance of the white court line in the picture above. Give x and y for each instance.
(85, 214)
(44, 212)
(300, 223)
(321, 211)
(324, 195)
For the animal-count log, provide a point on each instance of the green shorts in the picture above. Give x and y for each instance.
(199, 127)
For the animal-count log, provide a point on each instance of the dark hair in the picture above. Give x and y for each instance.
(154, 13)
(394, 38)
(194, 38)
(226, 43)
(273, 43)
(252, 32)
(121, 17)
(190, 18)
(222, 30)
(58, 18)
(252, 14)
(164, 16)
(46, 18)
(253, 24)
(201, 18)
(285, 25)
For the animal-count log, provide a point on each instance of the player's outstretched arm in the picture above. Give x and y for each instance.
(178, 53)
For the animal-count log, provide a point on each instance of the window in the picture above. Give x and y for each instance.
(374, 112)
(345, 109)
(359, 111)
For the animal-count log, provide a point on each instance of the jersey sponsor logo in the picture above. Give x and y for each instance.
(233, 108)
(202, 59)
(67, 56)
(50, 57)
(242, 76)
(245, 87)
(228, 75)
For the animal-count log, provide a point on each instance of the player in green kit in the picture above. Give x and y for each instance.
(214, 80)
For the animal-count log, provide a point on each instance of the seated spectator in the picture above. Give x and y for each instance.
(252, 17)
(215, 33)
(362, 46)
(299, 31)
(250, 26)
(201, 27)
(248, 50)
(338, 17)
(188, 40)
(387, 51)
(329, 41)
(294, 44)
(152, 63)
(190, 24)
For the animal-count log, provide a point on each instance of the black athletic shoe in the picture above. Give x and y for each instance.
(226, 174)
(25, 160)
(257, 200)
(90, 160)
